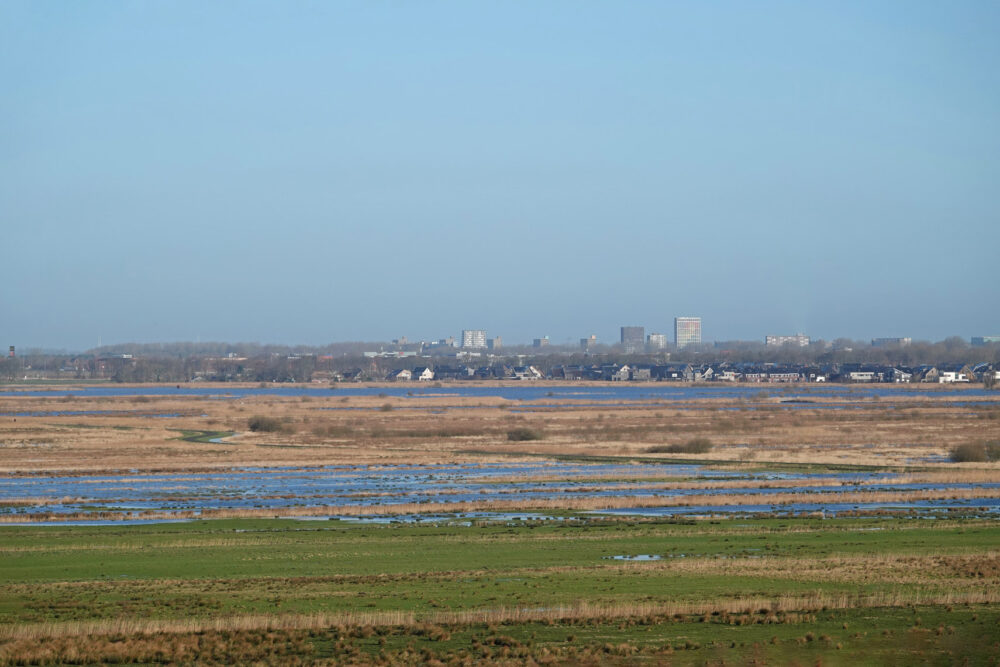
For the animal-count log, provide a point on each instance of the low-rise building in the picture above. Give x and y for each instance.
(801, 340)
(422, 374)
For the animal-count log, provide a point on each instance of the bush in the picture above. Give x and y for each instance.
(259, 424)
(976, 452)
(524, 433)
(693, 446)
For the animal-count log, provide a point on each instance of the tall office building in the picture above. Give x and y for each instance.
(474, 338)
(687, 331)
(633, 339)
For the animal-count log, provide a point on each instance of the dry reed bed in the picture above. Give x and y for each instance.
(924, 424)
(581, 611)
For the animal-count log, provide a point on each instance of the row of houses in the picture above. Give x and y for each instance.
(683, 372)
(775, 373)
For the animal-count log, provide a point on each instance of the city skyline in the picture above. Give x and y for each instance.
(485, 340)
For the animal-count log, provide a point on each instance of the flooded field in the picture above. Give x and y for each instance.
(467, 452)
(381, 491)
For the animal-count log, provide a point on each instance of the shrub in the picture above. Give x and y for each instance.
(693, 446)
(976, 452)
(259, 424)
(524, 433)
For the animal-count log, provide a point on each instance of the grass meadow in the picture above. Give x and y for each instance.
(850, 590)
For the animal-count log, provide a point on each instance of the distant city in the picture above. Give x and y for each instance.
(634, 340)
(474, 355)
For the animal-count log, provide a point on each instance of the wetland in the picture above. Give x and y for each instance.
(591, 524)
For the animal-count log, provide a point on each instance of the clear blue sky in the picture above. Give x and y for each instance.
(304, 172)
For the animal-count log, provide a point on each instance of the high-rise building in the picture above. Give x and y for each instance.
(633, 339)
(657, 341)
(474, 338)
(977, 341)
(540, 342)
(587, 344)
(687, 331)
(494, 343)
(801, 340)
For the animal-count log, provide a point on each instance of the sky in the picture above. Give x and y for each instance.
(308, 172)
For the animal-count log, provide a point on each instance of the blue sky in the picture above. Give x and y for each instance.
(304, 172)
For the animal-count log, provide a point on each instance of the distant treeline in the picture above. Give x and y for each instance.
(183, 350)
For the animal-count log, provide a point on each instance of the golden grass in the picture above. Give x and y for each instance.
(582, 610)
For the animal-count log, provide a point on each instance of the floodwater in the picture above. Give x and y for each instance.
(626, 393)
(971, 506)
(127, 495)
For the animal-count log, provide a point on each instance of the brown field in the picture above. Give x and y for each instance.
(903, 431)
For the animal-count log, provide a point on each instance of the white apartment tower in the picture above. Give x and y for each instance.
(474, 338)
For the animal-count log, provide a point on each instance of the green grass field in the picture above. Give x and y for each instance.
(850, 591)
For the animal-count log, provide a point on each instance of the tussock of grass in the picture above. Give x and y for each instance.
(693, 446)
(523, 433)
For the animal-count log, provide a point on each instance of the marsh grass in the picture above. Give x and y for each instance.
(904, 430)
(525, 433)
(693, 446)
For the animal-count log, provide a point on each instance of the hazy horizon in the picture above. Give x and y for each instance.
(304, 173)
